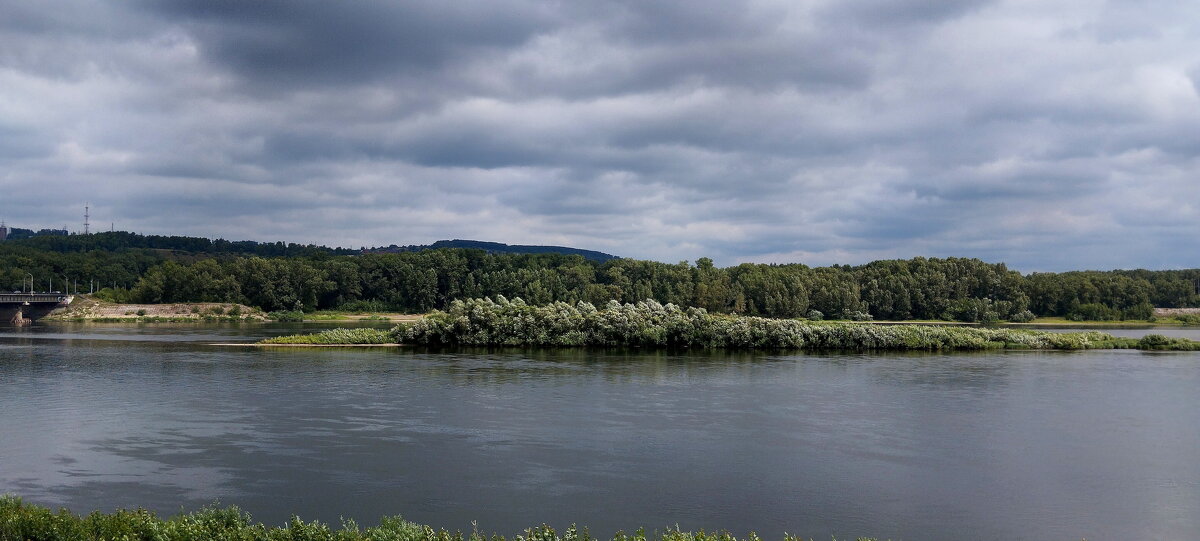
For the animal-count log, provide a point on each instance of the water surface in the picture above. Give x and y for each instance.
(1000, 445)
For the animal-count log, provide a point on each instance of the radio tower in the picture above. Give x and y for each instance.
(85, 218)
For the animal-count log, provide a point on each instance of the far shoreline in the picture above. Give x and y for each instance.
(89, 310)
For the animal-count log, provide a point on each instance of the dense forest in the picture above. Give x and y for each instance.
(279, 276)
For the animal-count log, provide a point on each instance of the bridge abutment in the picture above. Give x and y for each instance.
(13, 315)
(23, 309)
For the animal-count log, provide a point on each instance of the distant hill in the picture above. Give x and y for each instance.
(58, 240)
(494, 248)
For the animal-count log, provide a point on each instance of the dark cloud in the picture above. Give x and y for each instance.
(285, 44)
(1051, 136)
(877, 14)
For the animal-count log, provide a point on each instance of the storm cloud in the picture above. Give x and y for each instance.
(1051, 136)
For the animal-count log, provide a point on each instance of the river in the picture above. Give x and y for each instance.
(997, 445)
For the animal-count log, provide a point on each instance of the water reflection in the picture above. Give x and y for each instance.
(999, 444)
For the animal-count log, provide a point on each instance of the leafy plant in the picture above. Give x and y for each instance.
(1024, 316)
(286, 316)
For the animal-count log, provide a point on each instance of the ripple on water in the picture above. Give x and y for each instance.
(1001, 444)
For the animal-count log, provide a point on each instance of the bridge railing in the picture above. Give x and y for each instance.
(35, 297)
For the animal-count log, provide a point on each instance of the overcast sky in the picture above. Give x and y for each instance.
(1049, 135)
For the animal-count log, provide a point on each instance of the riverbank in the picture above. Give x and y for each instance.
(23, 521)
(1165, 322)
(89, 309)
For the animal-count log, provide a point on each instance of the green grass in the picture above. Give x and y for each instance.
(286, 316)
(325, 316)
(1098, 323)
(1186, 319)
(344, 315)
(336, 337)
(20, 521)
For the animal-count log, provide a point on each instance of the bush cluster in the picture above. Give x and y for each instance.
(364, 306)
(287, 316)
(1100, 312)
(1188, 319)
(1160, 342)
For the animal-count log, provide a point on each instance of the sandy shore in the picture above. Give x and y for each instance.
(88, 308)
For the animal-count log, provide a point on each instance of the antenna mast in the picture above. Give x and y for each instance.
(86, 216)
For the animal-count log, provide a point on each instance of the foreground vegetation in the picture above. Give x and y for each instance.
(285, 279)
(484, 322)
(20, 521)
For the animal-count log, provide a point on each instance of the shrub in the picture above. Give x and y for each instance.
(287, 316)
(1093, 312)
(975, 310)
(815, 315)
(117, 296)
(141, 312)
(1143, 310)
(1160, 342)
(1188, 319)
(1024, 316)
(363, 306)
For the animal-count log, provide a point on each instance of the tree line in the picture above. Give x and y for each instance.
(918, 288)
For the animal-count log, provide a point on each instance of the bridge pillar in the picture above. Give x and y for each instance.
(18, 317)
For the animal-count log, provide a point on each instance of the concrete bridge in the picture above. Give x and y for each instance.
(23, 308)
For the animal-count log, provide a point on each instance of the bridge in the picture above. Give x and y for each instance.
(23, 308)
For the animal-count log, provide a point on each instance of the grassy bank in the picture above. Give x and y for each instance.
(336, 336)
(336, 315)
(20, 521)
(1174, 321)
(483, 322)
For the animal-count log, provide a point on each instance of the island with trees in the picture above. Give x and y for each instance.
(484, 322)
